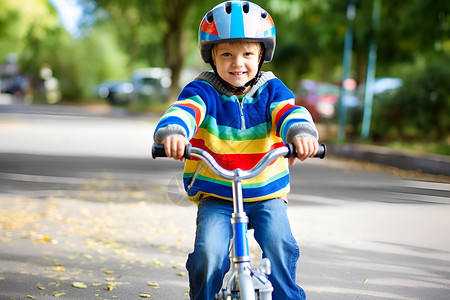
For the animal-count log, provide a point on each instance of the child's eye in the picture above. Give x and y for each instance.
(249, 53)
(226, 54)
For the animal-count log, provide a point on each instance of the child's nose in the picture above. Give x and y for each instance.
(238, 61)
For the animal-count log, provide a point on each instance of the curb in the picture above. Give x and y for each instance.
(430, 164)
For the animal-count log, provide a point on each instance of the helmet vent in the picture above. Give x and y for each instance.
(245, 7)
(228, 7)
(210, 17)
(263, 14)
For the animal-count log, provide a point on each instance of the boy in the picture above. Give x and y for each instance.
(238, 113)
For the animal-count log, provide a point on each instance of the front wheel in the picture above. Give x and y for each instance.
(246, 289)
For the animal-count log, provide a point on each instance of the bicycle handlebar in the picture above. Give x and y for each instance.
(286, 151)
(158, 151)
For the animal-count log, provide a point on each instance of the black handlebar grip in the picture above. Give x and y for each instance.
(158, 151)
(321, 152)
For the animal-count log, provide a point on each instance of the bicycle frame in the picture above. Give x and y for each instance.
(244, 282)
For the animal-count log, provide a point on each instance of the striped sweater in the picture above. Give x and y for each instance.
(237, 134)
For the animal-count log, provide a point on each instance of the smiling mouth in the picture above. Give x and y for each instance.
(237, 73)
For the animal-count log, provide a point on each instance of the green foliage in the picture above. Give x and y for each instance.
(418, 110)
(31, 29)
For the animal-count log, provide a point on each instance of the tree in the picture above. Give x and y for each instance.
(31, 29)
(145, 25)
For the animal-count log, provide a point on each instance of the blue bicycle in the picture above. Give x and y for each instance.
(244, 282)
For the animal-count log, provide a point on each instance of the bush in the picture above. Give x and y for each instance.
(419, 110)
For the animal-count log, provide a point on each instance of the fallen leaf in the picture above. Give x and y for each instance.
(143, 295)
(158, 263)
(109, 288)
(79, 285)
(109, 272)
(181, 274)
(64, 278)
(58, 269)
(152, 283)
(59, 294)
(28, 296)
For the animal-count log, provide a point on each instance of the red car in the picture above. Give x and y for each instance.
(318, 97)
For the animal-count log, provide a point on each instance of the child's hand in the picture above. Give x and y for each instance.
(174, 146)
(306, 146)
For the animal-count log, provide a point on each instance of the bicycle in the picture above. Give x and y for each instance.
(244, 282)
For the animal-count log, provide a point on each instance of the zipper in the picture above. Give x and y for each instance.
(241, 112)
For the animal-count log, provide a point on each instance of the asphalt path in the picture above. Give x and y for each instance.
(85, 213)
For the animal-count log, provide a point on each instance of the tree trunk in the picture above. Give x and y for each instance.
(175, 13)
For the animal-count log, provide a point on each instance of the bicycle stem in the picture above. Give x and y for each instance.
(239, 221)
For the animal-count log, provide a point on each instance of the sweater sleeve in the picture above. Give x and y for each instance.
(184, 116)
(290, 120)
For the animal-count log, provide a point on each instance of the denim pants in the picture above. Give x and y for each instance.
(209, 262)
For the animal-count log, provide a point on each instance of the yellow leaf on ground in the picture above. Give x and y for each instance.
(79, 285)
(152, 283)
(64, 278)
(59, 294)
(143, 295)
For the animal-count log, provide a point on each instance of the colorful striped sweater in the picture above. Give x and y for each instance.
(237, 133)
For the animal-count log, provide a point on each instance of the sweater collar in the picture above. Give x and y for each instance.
(214, 80)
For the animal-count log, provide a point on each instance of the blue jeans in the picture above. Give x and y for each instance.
(209, 262)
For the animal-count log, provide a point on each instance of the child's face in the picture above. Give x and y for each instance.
(237, 63)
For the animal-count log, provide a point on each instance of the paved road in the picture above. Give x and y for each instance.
(85, 214)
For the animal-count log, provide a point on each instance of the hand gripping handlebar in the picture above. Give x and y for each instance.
(158, 151)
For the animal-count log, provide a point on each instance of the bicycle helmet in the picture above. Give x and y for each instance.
(233, 21)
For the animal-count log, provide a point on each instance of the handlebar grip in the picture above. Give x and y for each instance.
(321, 152)
(158, 151)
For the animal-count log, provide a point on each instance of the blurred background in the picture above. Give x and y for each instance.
(370, 71)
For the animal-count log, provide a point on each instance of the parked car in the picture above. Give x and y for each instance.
(151, 83)
(145, 84)
(381, 86)
(115, 91)
(319, 98)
